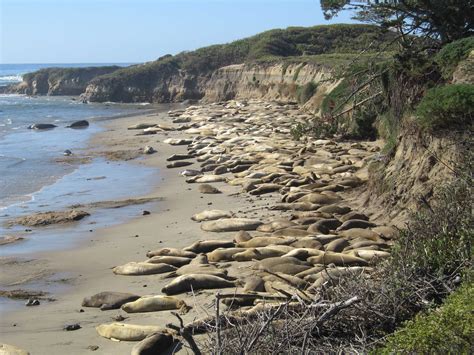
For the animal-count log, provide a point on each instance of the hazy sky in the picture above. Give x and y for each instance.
(100, 31)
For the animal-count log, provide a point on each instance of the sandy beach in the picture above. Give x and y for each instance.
(86, 269)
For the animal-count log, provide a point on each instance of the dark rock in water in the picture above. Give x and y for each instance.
(146, 213)
(42, 126)
(70, 327)
(79, 124)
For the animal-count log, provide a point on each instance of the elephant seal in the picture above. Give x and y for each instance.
(242, 236)
(270, 262)
(127, 332)
(170, 260)
(275, 225)
(40, 126)
(200, 259)
(175, 157)
(329, 223)
(254, 284)
(266, 241)
(257, 254)
(142, 268)
(290, 279)
(223, 254)
(179, 164)
(142, 126)
(320, 199)
(155, 304)
(289, 269)
(79, 124)
(209, 179)
(338, 259)
(153, 344)
(206, 246)
(355, 233)
(303, 253)
(171, 252)
(355, 223)
(6, 349)
(354, 215)
(307, 242)
(231, 225)
(193, 282)
(265, 189)
(369, 255)
(334, 208)
(337, 245)
(108, 300)
(208, 189)
(211, 215)
(292, 232)
(206, 269)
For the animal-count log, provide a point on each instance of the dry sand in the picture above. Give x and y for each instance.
(86, 269)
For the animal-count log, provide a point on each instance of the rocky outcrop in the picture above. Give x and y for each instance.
(59, 81)
(268, 81)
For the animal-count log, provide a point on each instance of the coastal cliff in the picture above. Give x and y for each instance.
(271, 65)
(59, 81)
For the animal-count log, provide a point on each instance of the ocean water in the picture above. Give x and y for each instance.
(34, 176)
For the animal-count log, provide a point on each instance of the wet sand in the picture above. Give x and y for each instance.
(86, 269)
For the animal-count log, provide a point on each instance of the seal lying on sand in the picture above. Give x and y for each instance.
(206, 246)
(109, 300)
(155, 304)
(153, 344)
(171, 252)
(211, 215)
(127, 332)
(231, 225)
(142, 268)
(195, 282)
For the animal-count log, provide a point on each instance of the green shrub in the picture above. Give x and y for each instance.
(446, 106)
(451, 54)
(305, 92)
(439, 240)
(449, 329)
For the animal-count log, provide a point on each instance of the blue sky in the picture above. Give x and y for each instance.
(124, 31)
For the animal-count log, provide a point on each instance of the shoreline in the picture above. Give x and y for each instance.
(169, 225)
(82, 279)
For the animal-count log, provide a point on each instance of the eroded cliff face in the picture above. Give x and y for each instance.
(59, 81)
(241, 81)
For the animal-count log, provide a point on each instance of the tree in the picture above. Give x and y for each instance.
(444, 20)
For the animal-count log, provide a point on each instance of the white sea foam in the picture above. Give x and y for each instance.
(11, 78)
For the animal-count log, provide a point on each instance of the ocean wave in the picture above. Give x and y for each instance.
(11, 78)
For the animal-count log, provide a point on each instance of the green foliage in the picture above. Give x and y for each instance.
(274, 45)
(451, 54)
(305, 92)
(448, 330)
(331, 100)
(447, 20)
(446, 106)
(439, 241)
